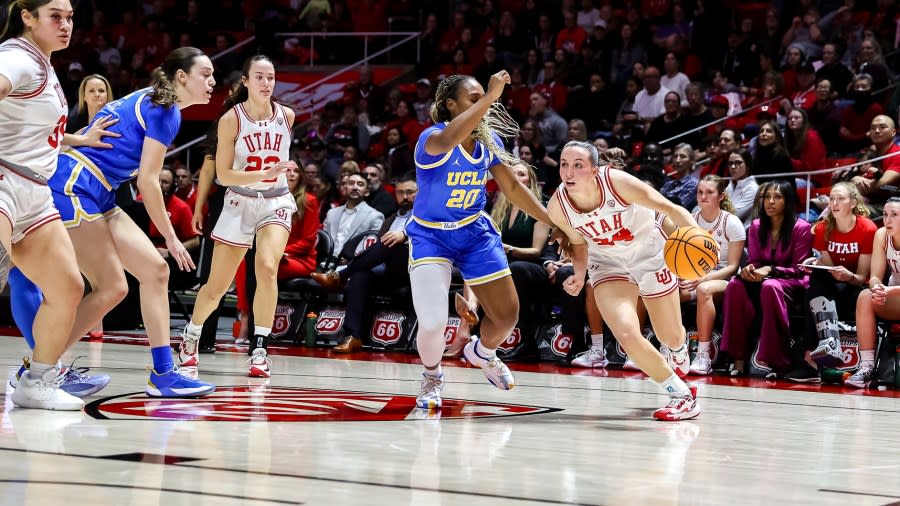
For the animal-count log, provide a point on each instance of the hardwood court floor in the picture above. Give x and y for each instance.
(337, 431)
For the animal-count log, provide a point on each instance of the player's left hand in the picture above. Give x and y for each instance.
(573, 285)
(841, 273)
(94, 135)
(391, 239)
(180, 254)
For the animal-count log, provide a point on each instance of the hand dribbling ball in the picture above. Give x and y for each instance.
(691, 253)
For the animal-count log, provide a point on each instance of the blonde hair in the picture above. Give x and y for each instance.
(348, 167)
(83, 86)
(503, 207)
(720, 183)
(858, 209)
(495, 120)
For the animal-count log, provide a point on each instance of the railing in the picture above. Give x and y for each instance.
(720, 120)
(365, 35)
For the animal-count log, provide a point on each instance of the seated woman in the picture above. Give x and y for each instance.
(743, 187)
(843, 238)
(776, 242)
(716, 216)
(878, 301)
(523, 241)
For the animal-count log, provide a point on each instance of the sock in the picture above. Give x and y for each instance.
(597, 340)
(261, 331)
(38, 369)
(483, 351)
(192, 329)
(675, 387)
(260, 340)
(438, 371)
(867, 356)
(162, 359)
(704, 347)
(25, 300)
(679, 349)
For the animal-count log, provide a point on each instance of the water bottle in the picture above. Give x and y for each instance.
(309, 329)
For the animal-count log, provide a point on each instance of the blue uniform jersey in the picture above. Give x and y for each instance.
(138, 118)
(451, 184)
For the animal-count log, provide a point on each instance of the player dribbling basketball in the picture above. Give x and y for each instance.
(613, 214)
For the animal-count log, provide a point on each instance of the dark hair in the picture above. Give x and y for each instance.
(790, 213)
(162, 79)
(795, 142)
(174, 187)
(745, 155)
(407, 177)
(11, 24)
(241, 94)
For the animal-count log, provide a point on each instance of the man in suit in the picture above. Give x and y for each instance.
(355, 216)
(386, 259)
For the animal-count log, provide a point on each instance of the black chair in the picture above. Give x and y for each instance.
(304, 293)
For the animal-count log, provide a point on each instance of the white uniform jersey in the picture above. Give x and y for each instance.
(893, 261)
(33, 115)
(725, 228)
(261, 144)
(625, 241)
(614, 227)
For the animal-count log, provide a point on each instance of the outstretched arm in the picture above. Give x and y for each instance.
(634, 191)
(518, 194)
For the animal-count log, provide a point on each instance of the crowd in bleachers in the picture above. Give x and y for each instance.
(751, 93)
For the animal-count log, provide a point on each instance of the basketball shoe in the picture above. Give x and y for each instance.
(493, 368)
(187, 352)
(702, 365)
(44, 393)
(173, 383)
(630, 365)
(430, 391)
(679, 361)
(77, 382)
(863, 376)
(593, 357)
(260, 364)
(679, 408)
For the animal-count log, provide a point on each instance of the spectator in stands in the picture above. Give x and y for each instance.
(552, 126)
(93, 93)
(380, 199)
(386, 259)
(681, 187)
(326, 192)
(857, 117)
(489, 66)
(824, 116)
(572, 36)
(626, 54)
(532, 68)
(674, 79)
(771, 156)
(794, 56)
(805, 95)
(743, 187)
(430, 43)
(310, 170)
(181, 216)
(843, 239)
(354, 216)
(596, 97)
(805, 147)
(424, 100)
(526, 154)
(523, 241)
(670, 125)
(346, 133)
(872, 177)
(509, 40)
(650, 101)
(459, 64)
(313, 12)
(545, 39)
(530, 135)
(777, 242)
(838, 75)
(729, 141)
(368, 96)
(716, 216)
(588, 15)
(878, 300)
(696, 114)
(871, 62)
(398, 156)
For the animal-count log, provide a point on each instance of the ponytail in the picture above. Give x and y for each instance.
(164, 92)
(11, 24)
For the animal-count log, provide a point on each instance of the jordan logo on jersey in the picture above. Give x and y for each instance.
(263, 140)
(604, 233)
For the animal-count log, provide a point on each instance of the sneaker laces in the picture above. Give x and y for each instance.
(189, 343)
(430, 383)
(260, 353)
(864, 372)
(75, 375)
(677, 403)
(591, 352)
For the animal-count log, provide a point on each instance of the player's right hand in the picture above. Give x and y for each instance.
(197, 223)
(180, 254)
(496, 84)
(279, 168)
(573, 285)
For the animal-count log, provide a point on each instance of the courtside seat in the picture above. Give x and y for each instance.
(304, 293)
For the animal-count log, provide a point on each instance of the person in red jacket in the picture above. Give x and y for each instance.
(805, 147)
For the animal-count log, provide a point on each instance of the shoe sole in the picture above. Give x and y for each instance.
(668, 417)
(32, 404)
(599, 365)
(88, 392)
(191, 362)
(857, 384)
(432, 404)
(256, 372)
(154, 392)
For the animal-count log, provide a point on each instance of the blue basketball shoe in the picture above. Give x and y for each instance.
(173, 383)
(78, 383)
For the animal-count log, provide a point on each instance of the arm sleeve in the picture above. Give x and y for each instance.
(18, 68)
(162, 122)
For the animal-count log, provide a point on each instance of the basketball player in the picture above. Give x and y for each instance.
(448, 227)
(612, 214)
(107, 242)
(254, 139)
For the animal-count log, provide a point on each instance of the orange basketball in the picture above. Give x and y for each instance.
(691, 253)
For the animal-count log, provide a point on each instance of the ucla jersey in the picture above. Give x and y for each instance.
(451, 184)
(138, 118)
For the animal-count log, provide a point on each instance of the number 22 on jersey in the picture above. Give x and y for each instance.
(258, 163)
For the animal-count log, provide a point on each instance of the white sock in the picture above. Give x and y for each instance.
(704, 347)
(38, 369)
(193, 329)
(485, 352)
(675, 387)
(437, 372)
(261, 331)
(867, 356)
(597, 340)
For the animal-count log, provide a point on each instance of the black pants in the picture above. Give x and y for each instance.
(363, 271)
(211, 325)
(844, 295)
(572, 310)
(532, 287)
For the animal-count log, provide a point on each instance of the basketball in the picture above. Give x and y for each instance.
(691, 253)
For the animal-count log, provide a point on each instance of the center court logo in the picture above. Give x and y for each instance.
(289, 404)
